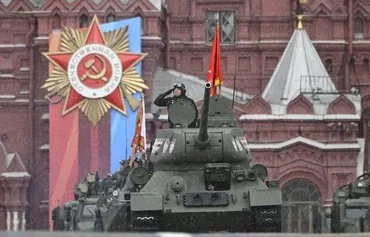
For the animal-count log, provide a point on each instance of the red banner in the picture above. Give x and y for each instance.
(214, 71)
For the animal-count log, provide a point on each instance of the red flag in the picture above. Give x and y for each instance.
(139, 141)
(214, 70)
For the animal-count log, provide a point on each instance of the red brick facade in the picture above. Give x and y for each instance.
(175, 37)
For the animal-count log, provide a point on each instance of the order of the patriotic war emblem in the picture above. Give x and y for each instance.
(94, 71)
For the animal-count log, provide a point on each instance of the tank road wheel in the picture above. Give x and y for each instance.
(267, 218)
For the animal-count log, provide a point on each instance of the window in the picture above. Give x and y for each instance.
(352, 65)
(359, 28)
(56, 22)
(329, 65)
(366, 66)
(301, 207)
(300, 190)
(84, 21)
(227, 26)
(111, 17)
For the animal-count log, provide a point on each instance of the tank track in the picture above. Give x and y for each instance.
(268, 219)
(145, 222)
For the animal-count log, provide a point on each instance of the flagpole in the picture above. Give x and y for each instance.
(218, 32)
(143, 119)
(236, 64)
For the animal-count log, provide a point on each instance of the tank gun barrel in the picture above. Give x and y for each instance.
(203, 127)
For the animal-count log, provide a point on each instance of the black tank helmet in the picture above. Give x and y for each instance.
(180, 86)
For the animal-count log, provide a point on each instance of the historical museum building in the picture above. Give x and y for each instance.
(302, 94)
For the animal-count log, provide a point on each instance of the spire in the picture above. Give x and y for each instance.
(299, 70)
(300, 24)
(299, 11)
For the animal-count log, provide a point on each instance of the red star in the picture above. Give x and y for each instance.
(94, 36)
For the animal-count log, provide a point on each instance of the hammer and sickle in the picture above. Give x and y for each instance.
(99, 75)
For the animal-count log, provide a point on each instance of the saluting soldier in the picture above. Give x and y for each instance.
(179, 92)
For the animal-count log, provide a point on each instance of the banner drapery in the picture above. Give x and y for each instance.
(77, 147)
(122, 128)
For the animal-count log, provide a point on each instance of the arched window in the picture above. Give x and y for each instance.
(301, 207)
(111, 17)
(359, 28)
(366, 66)
(329, 65)
(352, 65)
(84, 21)
(56, 22)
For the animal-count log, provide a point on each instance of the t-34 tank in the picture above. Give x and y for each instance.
(351, 207)
(78, 214)
(202, 180)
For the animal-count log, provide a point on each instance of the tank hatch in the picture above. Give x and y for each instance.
(182, 113)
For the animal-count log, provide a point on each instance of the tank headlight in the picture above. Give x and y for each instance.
(115, 193)
(240, 178)
(361, 185)
(251, 176)
(239, 175)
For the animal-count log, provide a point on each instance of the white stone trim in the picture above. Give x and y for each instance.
(6, 75)
(42, 38)
(7, 96)
(305, 117)
(45, 116)
(151, 38)
(360, 157)
(361, 42)
(24, 69)
(15, 174)
(23, 221)
(323, 146)
(45, 147)
(13, 45)
(8, 222)
(269, 42)
(15, 221)
(25, 92)
(22, 100)
(329, 41)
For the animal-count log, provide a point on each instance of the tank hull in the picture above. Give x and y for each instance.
(259, 219)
